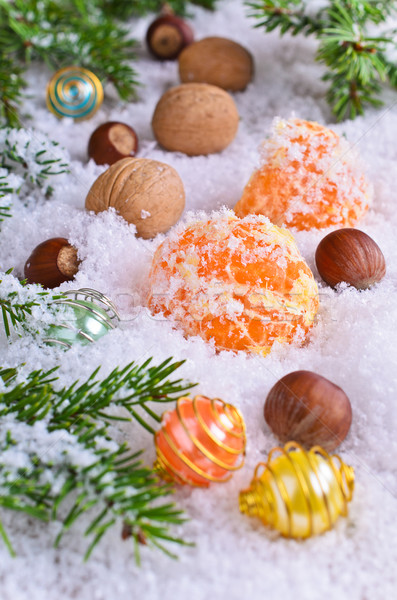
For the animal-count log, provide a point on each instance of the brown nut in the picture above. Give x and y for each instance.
(195, 118)
(352, 256)
(167, 36)
(145, 192)
(51, 263)
(309, 409)
(217, 61)
(111, 142)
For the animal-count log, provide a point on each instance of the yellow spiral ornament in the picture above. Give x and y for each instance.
(201, 441)
(299, 493)
(74, 92)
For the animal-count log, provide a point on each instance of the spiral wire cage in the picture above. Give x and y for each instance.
(88, 300)
(218, 458)
(259, 499)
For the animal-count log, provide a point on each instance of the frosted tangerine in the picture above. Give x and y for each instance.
(239, 282)
(309, 178)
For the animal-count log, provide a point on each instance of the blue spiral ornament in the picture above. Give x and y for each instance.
(74, 92)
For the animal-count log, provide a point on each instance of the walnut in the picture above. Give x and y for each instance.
(145, 192)
(217, 61)
(195, 118)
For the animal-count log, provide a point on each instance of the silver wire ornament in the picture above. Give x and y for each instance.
(94, 315)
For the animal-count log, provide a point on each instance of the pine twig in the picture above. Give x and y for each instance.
(73, 456)
(356, 60)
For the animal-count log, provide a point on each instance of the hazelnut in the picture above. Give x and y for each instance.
(309, 409)
(195, 118)
(51, 263)
(167, 36)
(111, 142)
(145, 192)
(217, 61)
(352, 256)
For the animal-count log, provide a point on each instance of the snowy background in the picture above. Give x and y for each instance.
(353, 344)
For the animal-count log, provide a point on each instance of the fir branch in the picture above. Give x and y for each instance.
(11, 85)
(61, 33)
(123, 9)
(69, 456)
(28, 161)
(17, 304)
(356, 59)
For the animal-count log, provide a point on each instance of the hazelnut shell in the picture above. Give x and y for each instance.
(218, 61)
(195, 118)
(145, 192)
(111, 142)
(309, 409)
(167, 36)
(51, 263)
(352, 256)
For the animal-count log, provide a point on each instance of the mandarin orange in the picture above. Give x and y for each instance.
(309, 178)
(239, 282)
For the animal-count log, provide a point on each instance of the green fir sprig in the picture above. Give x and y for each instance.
(353, 44)
(63, 33)
(60, 33)
(17, 305)
(59, 460)
(28, 162)
(126, 8)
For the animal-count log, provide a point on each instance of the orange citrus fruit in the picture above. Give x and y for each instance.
(239, 282)
(309, 178)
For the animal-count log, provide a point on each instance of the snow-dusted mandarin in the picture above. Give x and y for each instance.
(309, 178)
(241, 283)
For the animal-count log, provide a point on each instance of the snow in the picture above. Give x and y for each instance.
(352, 344)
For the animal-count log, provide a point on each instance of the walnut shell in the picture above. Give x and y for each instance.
(145, 192)
(195, 118)
(218, 61)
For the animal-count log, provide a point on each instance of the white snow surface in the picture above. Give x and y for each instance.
(353, 344)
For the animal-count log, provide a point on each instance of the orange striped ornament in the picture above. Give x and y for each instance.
(201, 441)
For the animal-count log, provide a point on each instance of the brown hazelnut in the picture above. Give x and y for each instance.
(195, 118)
(218, 61)
(352, 256)
(167, 36)
(111, 142)
(309, 409)
(145, 192)
(51, 263)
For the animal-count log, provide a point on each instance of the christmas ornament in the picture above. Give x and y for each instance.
(111, 142)
(309, 409)
(201, 441)
(74, 92)
(51, 263)
(352, 256)
(299, 493)
(93, 315)
(167, 36)
(240, 283)
(195, 118)
(145, 192)
(309, 178)
(218, 61)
